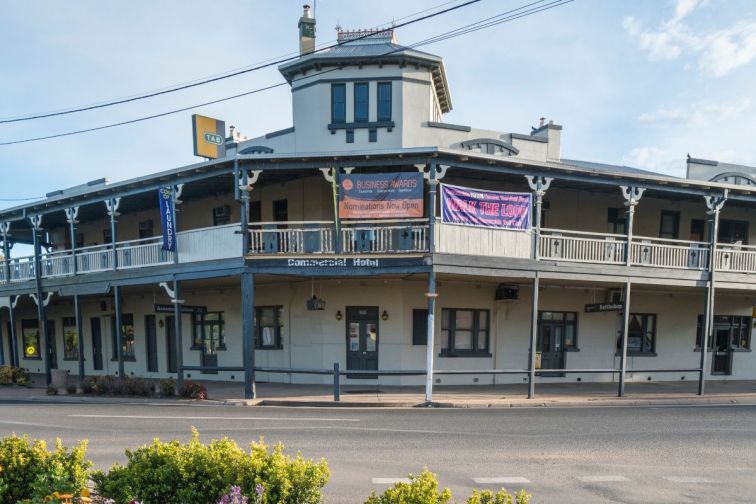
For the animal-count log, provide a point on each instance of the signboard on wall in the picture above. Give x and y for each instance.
(603, 307)
(209, 137)
(477, 207)
(167, 219)
(381, 195)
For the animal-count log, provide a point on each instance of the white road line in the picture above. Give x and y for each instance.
(688, 479)
(174, 418)
(389, 481)
(602, 478)
(501, 480)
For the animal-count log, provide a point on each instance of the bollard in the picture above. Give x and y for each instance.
(336, 375)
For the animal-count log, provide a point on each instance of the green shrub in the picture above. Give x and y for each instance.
(167, 387)
(422, 489)
(30, 471)
(196, 473)
(192, 390)
(500, 497)
(51, 390)
(116, 385)
(10, 375)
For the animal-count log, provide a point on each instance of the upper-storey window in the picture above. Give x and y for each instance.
(384, 101)
(338, 103)
(670, 224)
(361, 102)
(616, 221)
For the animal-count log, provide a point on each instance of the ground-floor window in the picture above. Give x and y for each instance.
(566, 324)
(641, 334)
(419, 327)
(268, 325)
(127, 337)
(738, 327)
(464, 332)
(30, 336)
(208, 329)
(70, 339)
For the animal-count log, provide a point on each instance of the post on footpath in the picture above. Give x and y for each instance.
(336, 382)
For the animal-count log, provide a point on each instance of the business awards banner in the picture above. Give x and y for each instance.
(477, 207)
(165, 196)
(381, 196)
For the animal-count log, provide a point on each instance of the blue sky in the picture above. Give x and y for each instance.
(636, 82)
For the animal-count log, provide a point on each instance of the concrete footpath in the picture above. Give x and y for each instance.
(480, 396)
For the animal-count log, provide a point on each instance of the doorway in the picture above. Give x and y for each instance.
(721, 360)
(53, 347)
(150, 329)
(170, 343)
(550, 344)
(94, 323)
(362, 339)
(212, 331)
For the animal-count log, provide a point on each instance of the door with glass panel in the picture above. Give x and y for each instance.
(722, 356)
(556, 332)
(362, 339)
(212, 324)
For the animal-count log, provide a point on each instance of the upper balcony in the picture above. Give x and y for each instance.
(214, 243)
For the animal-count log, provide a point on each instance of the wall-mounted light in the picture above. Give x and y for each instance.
(384, 315)
(339, 316)
(161, 323)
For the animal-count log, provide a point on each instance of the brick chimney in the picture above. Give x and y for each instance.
(306, 32)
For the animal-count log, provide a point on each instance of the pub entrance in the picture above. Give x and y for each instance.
(362, 339)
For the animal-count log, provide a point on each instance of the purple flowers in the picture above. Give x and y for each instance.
(234, 496)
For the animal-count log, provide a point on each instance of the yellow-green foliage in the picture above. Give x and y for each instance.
(197, 473)
(10, 375)
(422, 489)
(28, 470)
(500, 497)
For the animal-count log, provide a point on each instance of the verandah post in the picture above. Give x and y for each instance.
(36, 223)
(625, 327)
(248, 346)
(533, 337)
(431, 176)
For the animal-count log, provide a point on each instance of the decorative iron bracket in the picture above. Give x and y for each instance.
(715, 203)
(171, 293)
(632, 195)
(36, 222)
(426, 171)
(45, 301)
(71, 215)
(538, 184)
(112, 206)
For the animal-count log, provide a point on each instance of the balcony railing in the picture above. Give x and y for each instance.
(736, 258)
(373, 237)
(579, 246)
(214, 243)
(667, 253)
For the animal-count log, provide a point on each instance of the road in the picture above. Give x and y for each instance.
(568, 455)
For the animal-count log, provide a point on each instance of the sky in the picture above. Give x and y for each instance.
(641, 83)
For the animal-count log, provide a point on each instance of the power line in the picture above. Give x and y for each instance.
(485, 23)
(223, 76)
(320, 45)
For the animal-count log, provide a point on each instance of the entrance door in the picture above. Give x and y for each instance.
(170, 343)
(150, 329)
(211, 331)
(96, 343)
(721, 361)
(53, 348)
(362, 339)
(550, 345)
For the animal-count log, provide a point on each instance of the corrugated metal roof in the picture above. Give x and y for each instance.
(610, 168)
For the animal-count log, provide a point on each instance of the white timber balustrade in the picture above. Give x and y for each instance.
(668, 253)
(735, 258)
(580, 246)
(317, 237)
(140, 253)
(22, 269)
(211, 243)
(95, 258)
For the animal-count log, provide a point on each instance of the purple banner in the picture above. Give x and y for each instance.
(476, 207)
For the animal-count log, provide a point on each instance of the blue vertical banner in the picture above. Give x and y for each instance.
(165, 196)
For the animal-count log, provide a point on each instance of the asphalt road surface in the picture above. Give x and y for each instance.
(567, 455)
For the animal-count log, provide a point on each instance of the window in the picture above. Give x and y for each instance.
(419, 327)
(697, 230)
(30, 336)
(733, 232)
(384, 101)
(146, 229)
(79, 240)
(361, 102)
(70, 339)
(566, 321)
(350, 136)
(641, 334)
(739, 327)
(208, 328)
(372, 135)
(107, 236)
(255, 211)
(464, 332)
(281, 210)
(127, 337)
(338, 103)
(670, 225)
(616, 221)
(221, 215)
(268, 327)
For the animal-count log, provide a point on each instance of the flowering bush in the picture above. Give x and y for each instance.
(197, 473)
(28, 470)
(192, 390)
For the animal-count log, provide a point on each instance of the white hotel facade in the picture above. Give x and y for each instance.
(622, 275)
